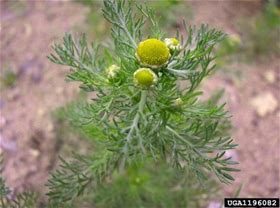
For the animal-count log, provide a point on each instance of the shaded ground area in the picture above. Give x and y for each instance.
(26, 129)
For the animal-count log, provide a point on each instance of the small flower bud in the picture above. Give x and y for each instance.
(172, 43)
(152, 53)
(144, 77)
(112, 71)
(178, 102)
(234, 40)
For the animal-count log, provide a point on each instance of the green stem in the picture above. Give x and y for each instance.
(134, 125)
(178, 136)
(123, 26)
(128, 33)
(136, 119)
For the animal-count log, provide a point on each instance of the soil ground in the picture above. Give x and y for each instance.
(27, 135)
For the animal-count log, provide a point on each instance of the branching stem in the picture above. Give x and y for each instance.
(127, 33)
(184, 140)
(123, 26)
(135, 122)
(175, 133)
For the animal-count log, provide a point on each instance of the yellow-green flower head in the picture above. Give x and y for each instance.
(144, 77)
(172, 43)
(152, 53)
(112, 71)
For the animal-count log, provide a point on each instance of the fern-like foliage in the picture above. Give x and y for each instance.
(22, 200)
(133, 123)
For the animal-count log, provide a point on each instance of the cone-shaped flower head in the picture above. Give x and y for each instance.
(144, 77)
(152, 53)
(172, 43)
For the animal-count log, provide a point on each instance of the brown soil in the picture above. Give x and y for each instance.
(258, 137)
(27, 133)
(26, 129)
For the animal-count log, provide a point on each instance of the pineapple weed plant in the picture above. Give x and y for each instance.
(142, 120)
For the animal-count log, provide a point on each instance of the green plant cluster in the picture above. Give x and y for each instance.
(146, 186)
(262, 38)
(258, 38)
(133, 124)
(8, 78)
(152, 142)
(167, 12)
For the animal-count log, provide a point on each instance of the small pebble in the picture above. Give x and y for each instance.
(264, 103)
(50, 127)
(270, 76)
(41, 112)
(34, 153)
